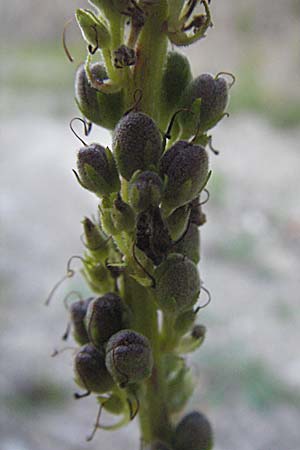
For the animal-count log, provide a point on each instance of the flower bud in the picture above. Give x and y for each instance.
(100, 108)
(189, 245)
(104, 318)
(145, 190)
(78, 312)
(95, 239)
(137, 144)
(213, 93)
(93, 29)
(186, 168)
(178, 222)
(193, 432)
(129, 357)
(97, 170)
(177, 74)
(177, 284)
(90, 370)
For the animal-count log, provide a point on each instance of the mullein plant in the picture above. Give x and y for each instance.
(142, 253)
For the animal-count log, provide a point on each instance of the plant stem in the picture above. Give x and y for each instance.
(154, 418)
(151, 53)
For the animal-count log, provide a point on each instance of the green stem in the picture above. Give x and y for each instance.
(151, 53)
(154, 418)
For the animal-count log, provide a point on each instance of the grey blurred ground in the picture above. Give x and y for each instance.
(248, 371)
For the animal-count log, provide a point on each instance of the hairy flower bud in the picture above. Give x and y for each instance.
(98, 107)
(186, 168)
(104, 318)
(189, 245)
(78, 312)
(97, 170)
(177, 284)
(213, 93)
(145, 190)
(129, 357)
(90, 370)
(193, 432)
(93, 30)
(137, 144)
(177, 74)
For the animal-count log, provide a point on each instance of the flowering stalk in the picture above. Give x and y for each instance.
(141, 256)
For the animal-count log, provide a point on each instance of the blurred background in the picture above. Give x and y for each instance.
(248, 371)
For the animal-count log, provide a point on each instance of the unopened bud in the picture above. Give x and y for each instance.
(78, 312)
(90, 370)
(177, 284)
(97, 170)
(186, 168)
(213, 94)
(104, 318)
(193, 432)
(98, 107)
(137, 144)
(177, 74)
(129, 357)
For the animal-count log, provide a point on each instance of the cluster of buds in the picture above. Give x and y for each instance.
(141, 254)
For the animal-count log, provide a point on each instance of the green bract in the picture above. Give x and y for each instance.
(100, 108)
(122, 216)
(186, 167)
(95, 239)
(177, 284)
(145, 190)
(98, 276)
(189, 245)
(129, 357)
(97, 170)
(137, 144)
(104, 318)
(213, 93)
(90, 370)
(178, 222)
(193, 432)
(93, 29)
